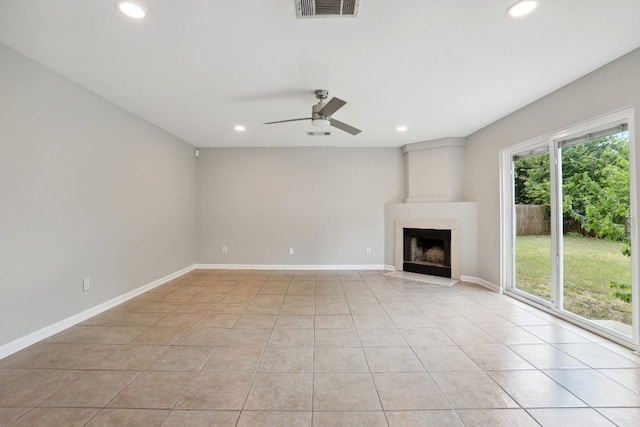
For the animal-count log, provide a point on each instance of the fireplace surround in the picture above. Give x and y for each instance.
(434, 199)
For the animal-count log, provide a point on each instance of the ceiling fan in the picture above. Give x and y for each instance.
(321, 114)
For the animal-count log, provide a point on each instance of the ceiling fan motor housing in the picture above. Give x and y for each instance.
(315, 112)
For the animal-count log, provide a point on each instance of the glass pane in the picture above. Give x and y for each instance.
(533, 232)
(596, 247)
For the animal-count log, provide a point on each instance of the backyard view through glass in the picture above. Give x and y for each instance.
(595, 205)
(533, 231)
(594, 275)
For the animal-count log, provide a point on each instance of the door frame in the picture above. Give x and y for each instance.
(508, 233)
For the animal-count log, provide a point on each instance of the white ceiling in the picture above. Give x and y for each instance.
(443, 68)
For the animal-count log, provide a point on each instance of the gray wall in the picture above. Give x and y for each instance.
(86, 190)
(612, 87)
(326, 203)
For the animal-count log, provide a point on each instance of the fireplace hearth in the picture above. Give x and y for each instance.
(427, 251)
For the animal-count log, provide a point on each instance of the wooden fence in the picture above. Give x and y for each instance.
(532, 220)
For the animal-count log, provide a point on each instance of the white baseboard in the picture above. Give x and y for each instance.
(53, 329)
(388, 267)
(288, 267)
(481, 282)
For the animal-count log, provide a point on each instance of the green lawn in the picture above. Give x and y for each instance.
(589, 265)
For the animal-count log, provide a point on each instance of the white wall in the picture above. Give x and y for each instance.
(326, 203)
(612, 87)
(86, 190)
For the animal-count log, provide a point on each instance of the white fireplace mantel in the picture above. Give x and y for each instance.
(459, 217)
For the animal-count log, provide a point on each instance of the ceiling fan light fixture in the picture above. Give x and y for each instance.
(321, 123)
(522, 8)
(132, 9)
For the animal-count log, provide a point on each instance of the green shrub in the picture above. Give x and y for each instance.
(624, 292)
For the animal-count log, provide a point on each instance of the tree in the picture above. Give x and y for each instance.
(532, 180)
(595, 185)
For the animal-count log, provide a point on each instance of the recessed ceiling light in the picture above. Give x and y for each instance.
(521, 8)
(240, 128)
(131, 8)
(401, 128)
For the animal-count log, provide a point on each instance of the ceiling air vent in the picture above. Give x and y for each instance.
(319, 133)
(327, 8)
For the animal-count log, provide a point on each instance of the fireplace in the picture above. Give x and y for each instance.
(427, 251)
(441, 238)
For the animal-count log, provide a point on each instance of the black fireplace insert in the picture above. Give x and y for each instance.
(427, 251)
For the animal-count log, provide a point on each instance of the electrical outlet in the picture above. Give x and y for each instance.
(86, 284)
(224, 250)
(368, 250)
(290, 251)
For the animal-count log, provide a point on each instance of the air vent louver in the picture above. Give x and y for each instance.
(349, 7)
(326, 8)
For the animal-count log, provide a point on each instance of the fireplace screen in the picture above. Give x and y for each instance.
(427, 251)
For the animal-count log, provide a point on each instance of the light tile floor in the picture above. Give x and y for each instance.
(325, 348)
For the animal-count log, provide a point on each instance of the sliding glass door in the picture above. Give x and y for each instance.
(567, 221)
(593, 170)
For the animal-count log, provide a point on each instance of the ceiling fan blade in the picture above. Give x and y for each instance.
(332, 106)
(345, 127)
(290, 120)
